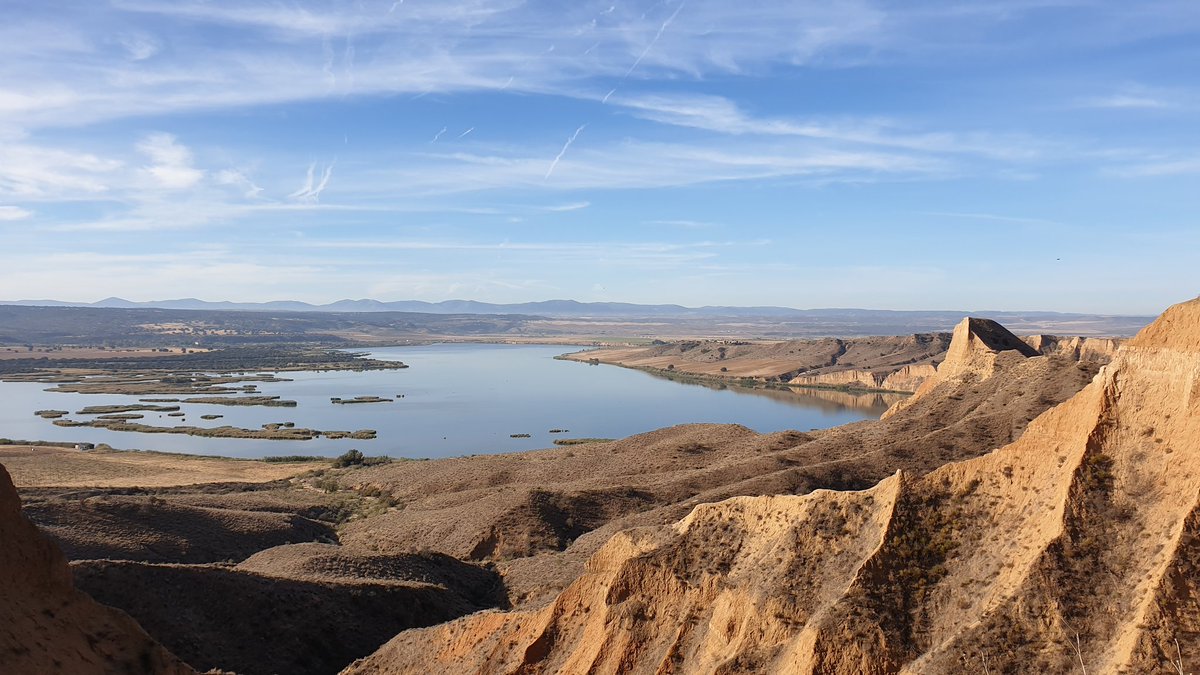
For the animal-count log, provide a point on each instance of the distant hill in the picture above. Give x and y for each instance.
(576, 309)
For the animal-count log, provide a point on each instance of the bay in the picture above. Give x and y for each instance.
(454, 399)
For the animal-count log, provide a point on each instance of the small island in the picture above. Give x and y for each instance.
(360, 399)
(270, 401)
(284, 431)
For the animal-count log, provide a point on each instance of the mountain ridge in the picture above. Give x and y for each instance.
(552, 307)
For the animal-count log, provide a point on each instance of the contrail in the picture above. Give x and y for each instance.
(316, 192)
(637, 62)
(661, 30)
(562, 152)
(466, 132)
(309, 193)
(308, 182)
(438, 135)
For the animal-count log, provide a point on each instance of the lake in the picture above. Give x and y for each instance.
(458, 399)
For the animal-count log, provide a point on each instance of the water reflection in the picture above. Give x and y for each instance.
(871, 403)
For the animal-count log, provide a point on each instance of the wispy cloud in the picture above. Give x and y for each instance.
(172, 161)
(139, 46)
(239, 179)
(722, 115)
(573, 206)
(309, 192)
(31, 171)
(685, 224)
(1153, 168)
(1126, 101)
(11, 213)
(999, 218)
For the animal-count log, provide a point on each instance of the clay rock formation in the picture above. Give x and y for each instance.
(46, 625)
(1074, 548)
(1079, 348)
(978, 348)
(904, 378)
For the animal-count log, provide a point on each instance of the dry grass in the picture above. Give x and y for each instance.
(62, 467)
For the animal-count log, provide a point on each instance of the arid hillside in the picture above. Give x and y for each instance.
(900, 363)
(865, 362)
(46, 625)
(239, 576)
(1072, 549)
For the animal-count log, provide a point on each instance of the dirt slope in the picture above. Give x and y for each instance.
(1072, 549)
(305, 611)
(46, 626)
(153, 529)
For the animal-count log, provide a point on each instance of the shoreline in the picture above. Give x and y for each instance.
(730, 381)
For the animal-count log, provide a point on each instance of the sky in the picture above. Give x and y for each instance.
(906, 154)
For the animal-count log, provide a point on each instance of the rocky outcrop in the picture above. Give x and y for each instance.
(978, 349)
(1072, 549)
(851, 379)
(909, 378)
(1100, 350)
(46, 625)
(904, 378)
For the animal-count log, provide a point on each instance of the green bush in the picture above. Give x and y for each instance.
(350, 458)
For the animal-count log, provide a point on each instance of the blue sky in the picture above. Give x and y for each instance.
(1025, 154)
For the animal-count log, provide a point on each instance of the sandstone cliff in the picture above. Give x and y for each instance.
(1072, 549)
(978, 349)
(46, 626)
(1081, 348)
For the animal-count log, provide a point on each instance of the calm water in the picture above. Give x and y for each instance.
(458, 399)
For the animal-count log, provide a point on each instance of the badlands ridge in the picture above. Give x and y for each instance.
(1026, 511)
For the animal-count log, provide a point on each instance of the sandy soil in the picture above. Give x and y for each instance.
(43, 466)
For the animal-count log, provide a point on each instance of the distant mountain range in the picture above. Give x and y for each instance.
(559, 309)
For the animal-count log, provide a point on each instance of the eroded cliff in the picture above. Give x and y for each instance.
(1073, 547)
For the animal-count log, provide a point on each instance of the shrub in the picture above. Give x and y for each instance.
(351, 457)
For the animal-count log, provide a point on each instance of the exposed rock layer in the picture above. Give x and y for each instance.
(866, 362)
